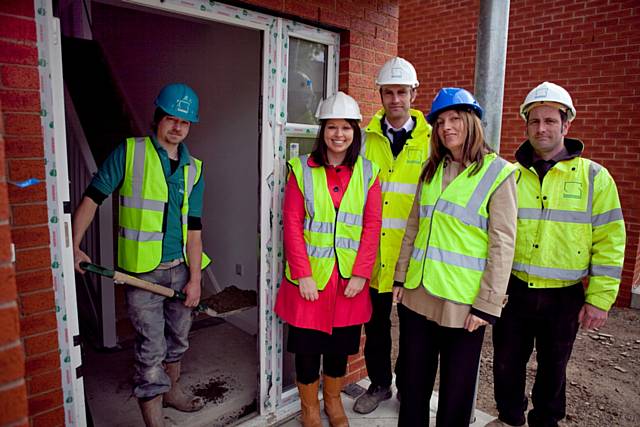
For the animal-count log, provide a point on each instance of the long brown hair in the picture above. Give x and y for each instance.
(473, 150)
(319, 153)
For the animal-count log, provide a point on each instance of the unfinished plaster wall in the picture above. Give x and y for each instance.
(591, 48)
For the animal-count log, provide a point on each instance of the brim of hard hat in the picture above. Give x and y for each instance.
(393, 83)
(333, 116)
(433, 115)
(526, 108)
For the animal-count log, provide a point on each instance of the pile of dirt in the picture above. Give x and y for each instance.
(231, 298)
(211, 391)
(603, 376)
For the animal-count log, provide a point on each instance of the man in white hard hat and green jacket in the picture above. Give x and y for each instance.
(160, 190)
(570, 230)
(397, 140)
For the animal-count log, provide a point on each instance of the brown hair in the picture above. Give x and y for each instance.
(473, 150)
(319, 153)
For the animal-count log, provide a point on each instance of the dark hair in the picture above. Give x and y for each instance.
(319, 153)
(158, 115)
(473, 150)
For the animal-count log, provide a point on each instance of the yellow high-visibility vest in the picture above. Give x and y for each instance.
(451, 247)
(399, 180)
(143, 196)
(331, 235)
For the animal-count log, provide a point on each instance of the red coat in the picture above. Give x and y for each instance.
(332, 308)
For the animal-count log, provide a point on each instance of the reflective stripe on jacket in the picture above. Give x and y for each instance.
(143, 196)
(450, 250)
(570, 226)
(331, 235)
(399, 180)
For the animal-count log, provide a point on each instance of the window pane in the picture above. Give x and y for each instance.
(299, 146)
(307, 79)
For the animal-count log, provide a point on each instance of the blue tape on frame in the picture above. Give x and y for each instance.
(26, 183)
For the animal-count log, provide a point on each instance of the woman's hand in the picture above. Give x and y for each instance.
(356, 284)
(308, 288)
(473, 322)
(397, 293)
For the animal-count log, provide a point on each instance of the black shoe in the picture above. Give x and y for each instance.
(369, 401)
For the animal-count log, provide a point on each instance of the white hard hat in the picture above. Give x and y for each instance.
(338, 106)
(397, 71)
(551, 94)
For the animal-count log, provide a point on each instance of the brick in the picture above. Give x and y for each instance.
(27, 237)
(20, 100)
(38, 344)
(17, 7)
(52, 418)
(44, 382)
(18, 147)
(38, 323)
(4, 199)
(42, 363)
(36, 302)
(21, 169)
(301, 10)
(22, 124)
(10, 330)
(17, 28)
(29, 214)
(13, 403)
(12, 363)
(19, 54)
(7, 284)
(45, 402)
(32, 259)
(5, 243)
(19, 77)
(34, 280)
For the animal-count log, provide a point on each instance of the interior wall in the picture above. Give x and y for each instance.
(222, 64)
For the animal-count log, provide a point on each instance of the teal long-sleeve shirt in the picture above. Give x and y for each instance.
(111, 174)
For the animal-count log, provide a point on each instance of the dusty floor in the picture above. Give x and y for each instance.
(603, 377)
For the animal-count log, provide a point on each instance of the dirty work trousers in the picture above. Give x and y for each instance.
(162, 329)
(547, 318)
(422, 343)
(377, 347)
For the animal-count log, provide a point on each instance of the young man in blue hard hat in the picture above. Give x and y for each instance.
(397, 140)
(159, 240)
(570, 230)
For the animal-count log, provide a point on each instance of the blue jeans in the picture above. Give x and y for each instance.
(162, 328)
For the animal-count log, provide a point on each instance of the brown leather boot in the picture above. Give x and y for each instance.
(176, 397)
(333, 402)
(310, 404)
(152, 411)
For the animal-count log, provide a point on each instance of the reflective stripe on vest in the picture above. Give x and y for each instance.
(142, 208)
(452, 241)
(553, 261)
(329, 235)
(399, 181)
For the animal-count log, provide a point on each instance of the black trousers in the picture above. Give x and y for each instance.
(377, 347)
(547, 318)
(308, 366)
(422, 342)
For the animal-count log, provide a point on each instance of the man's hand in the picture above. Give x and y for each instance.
(397, 294)
(78, 257)
(354, 287)
(473, 322)
(592, 317)
(192, 290)
(308, 288)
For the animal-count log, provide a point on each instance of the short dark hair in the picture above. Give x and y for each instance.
(319, 153)
(158, 115)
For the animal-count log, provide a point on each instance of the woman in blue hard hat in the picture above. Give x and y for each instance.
(332, 220)
(454, 265)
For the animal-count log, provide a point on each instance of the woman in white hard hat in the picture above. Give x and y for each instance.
(455, 261)
(332, 220)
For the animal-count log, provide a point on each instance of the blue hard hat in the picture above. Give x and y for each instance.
(179, 100)
(449, 98)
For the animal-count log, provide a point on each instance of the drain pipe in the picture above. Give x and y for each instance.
(491, 58)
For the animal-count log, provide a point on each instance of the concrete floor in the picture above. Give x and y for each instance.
(220, 354)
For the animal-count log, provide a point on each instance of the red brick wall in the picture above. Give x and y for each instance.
(592, 48)
(27, 297)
